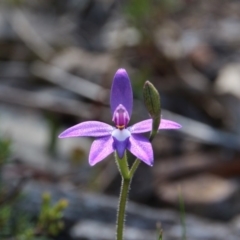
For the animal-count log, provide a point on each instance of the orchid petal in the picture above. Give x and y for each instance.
(120, 146)
(121, 92)
(141, 148)
(89, 128)
(146, 126)
(100, 149)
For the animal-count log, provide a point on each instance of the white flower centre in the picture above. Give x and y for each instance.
(121, 135)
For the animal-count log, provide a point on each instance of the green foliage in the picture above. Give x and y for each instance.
(146, 15)
(14, 2)
(182, 215)
(5, 150)
(140, 14)
(14, 223)
(50, 219)
(139, 10)
(11, 222)
(159, 232)
(30, 235)
(5, 214)
(17, 225)
(160, 236)
(53, 124)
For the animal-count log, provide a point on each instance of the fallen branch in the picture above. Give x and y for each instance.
(47, 102)
(23, 27)
(70, 82)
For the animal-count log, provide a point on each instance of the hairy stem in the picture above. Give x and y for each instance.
(122, 207)
(122, 165)
(134, 168)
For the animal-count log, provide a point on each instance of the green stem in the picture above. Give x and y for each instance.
(134, 168)
(182, 214)
(137, 161)
(122, 165)
(127, 176)
(126, 180)
(122, 207)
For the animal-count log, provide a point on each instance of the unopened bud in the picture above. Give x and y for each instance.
(151, 100)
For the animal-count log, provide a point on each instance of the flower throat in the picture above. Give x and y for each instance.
(121, 117)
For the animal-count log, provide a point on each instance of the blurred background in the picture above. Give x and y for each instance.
(57, 61)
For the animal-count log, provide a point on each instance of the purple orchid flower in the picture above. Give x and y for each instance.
(118, 138)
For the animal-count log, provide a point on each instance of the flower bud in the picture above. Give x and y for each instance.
(151, 100)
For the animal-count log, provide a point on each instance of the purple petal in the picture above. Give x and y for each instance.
(100, 149)
(146, 126)
(121, 91)
(141, 148)
(120, 146)
(167, 124)
(89, 128)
